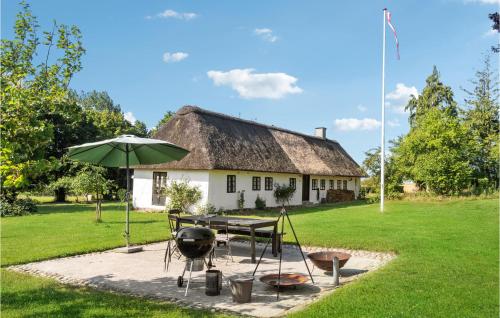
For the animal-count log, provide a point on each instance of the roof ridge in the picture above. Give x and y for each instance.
(196, 109)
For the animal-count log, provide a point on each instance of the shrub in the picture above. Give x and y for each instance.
(260, 204)
(204, 209)
(121, 194)
(181, 195)
(241, 199)
(18, 207)
(283, 193)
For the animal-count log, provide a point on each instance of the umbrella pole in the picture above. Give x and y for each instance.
(127, 196)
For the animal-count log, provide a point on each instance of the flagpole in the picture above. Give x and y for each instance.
(382, 134)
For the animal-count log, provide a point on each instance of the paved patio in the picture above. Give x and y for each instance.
(142, 274)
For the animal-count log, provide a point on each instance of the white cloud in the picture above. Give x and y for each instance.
(129, 116)
(171, 14)
(256, 85)
(362, 108)
(266, 34)
(349, 124)
(497, 2)
(398, 98)
(489, 33)
(174, 57)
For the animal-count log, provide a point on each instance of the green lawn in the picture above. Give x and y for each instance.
(447, 266)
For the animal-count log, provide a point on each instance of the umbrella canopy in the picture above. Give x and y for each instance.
(112, 152)
(124, 151)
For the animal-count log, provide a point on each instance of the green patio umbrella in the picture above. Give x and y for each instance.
(126, 151)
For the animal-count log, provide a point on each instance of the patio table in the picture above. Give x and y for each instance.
(251, 224)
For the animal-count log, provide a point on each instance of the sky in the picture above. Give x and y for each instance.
(293, 64)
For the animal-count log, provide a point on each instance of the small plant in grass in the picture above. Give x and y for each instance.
(181, 195)
(283, 193)
(260, 204)
(91, 180)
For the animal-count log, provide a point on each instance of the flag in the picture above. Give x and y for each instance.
(388, 17)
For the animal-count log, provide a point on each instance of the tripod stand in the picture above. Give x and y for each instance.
(283, 214)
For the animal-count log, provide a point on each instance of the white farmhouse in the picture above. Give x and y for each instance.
(229, 155)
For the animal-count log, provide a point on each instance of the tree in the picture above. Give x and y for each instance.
(283, 193)
(30, 94)
(371, 165)
(166, 117)
(482, 123)
(434, 95)
(434, 154)
(92, 180)
(181, 195)
(495, 18)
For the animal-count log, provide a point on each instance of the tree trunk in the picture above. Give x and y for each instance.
(98, 210)
(60, 195)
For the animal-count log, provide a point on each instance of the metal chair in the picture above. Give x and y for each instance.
(171, 245)
(222, 237)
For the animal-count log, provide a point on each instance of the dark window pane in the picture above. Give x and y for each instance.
(339, 182)
(314, 183)
(322, 184)
(332, 184)
(268, 183)
(256, 183)
(231, 183)
(293, 183)
(345, 184)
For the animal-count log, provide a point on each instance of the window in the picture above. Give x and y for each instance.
(322, 184)
(345, 184)
(159, 182)
(339, 183)
(256, 183)
(332, 184)
(269, 183)
(314, 183)
(231, 183)
(293, 183)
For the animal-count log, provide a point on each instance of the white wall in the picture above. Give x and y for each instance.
(213, 185)
(143, 185)
(353, 184)
(219, 197)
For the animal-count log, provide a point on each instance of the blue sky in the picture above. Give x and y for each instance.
(293, 64)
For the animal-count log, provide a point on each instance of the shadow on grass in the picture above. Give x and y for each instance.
(50, 208)
(52, 299)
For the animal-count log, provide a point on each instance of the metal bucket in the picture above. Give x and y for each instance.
(213, 282)
(241, 288)
(198, 264)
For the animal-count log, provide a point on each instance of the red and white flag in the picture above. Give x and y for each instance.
(388, 17)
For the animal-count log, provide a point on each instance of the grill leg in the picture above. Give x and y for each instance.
(189, 279)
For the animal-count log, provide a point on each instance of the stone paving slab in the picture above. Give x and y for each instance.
(142, 274)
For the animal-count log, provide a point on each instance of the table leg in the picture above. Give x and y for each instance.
(275, 240)
(252, 244)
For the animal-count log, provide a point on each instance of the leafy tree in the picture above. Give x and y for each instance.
(371, 165)
(30, 94)
(92, 180)
(434, 154)
(434, 95)
(482, 123)
(495, 18)
(182, 195)
(166, 117)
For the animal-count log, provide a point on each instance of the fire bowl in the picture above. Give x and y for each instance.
(324, 260)
(286, 280)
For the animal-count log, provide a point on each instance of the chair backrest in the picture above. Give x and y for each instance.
(172, 220)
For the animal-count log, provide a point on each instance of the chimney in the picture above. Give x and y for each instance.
(320, 132)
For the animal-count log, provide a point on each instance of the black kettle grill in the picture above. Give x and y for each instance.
(193, 243)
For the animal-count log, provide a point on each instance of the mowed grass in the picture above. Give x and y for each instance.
(447, 264)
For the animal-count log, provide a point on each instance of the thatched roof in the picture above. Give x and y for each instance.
(218, 141)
